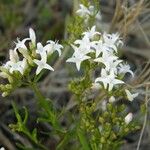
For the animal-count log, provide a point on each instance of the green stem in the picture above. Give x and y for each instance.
(37, 91)
(46, 106)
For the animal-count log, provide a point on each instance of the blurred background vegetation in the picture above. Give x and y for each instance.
(49, 18)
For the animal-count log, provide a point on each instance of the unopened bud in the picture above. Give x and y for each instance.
(4, 94)
(112, 99)
(128, 118)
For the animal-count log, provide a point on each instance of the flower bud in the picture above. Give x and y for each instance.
(128, 118)
(4, 94)
(112, 99)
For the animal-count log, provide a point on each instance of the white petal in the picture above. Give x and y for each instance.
(59, 52)
(32, 35)
(131, 96)
(38, 70)
(43, 57)
(48, 49)
(48, 67)
(105, 85)
(128, 118)
(116, 81)
(72, 59)
(37, 61)
(131, 72)
(78, 65)
(13, 55)
(110, 87)
(24, 64)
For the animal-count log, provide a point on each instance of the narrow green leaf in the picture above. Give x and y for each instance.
(16, 112)
(83, 140)
(34, 135)
(26, 115)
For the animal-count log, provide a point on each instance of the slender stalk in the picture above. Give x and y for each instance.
(37, 92)
(45, 105)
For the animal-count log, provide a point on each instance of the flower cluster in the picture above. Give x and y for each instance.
(105, 49)
(87, 12)
(26, 55)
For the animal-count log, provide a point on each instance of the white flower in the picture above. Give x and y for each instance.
(14, 64)
(53, 46)
(83, 11)
(108, 80)
(78, 58)
(125, 68)
(81, 50)
(21, 44)
(91, 33)
(32, 36)
(85, 45)
(92, 10)
(40, 49)
(108, 60)
(42, 64)
(112, 40)
(128, 118)
(2, 148)
(131, 96)
(113, 66)
(100, 47)
(18, 66)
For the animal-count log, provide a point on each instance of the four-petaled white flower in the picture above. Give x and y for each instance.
(108, 60)
(112, 40)
(14, 64)
(42, 64)
(125, 68)
(113, 65)
(85, 45)
(21, 44)
(128, 118)
(53, 46)
(18, 66)
(100, 47)
(91, 33)
(78, 58)
(83, 11)
(40, 49)
(86, 12)
(131, 96)
(108, 80)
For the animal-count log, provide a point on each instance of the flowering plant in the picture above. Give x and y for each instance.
(100, 122)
